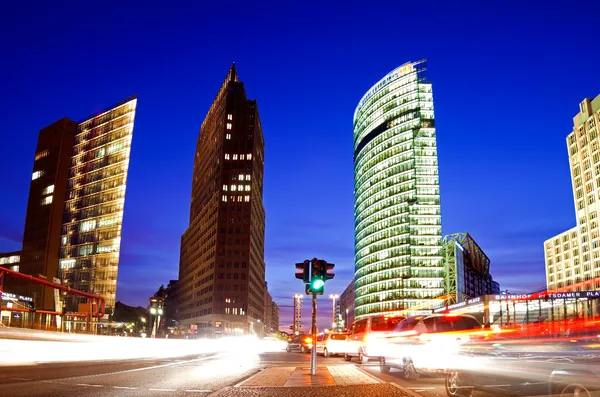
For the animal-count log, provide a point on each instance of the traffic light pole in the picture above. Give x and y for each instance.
(313, 351)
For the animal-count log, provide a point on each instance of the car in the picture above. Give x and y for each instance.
(427, 344)
(332, 344)
(514, 364)
(301, 342)
(364, 336)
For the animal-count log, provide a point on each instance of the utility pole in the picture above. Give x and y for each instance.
(313, 351)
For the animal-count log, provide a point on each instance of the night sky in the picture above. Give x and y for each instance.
(507, 81)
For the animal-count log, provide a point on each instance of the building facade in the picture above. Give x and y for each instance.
(467, 269)
(573, 257)
(346, 303)
(274, 326)
(43, 221)
(398, 232)
(222, 270)
(11, 260)
(92, 220)
(268, 299)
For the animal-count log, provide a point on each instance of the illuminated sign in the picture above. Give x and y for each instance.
(405, 69)
(458, 305)
(7, 296)
(574, 294)
(510, 297)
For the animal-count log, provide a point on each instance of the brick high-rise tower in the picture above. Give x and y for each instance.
(222, 270)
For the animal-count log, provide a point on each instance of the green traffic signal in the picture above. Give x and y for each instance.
(317, 284)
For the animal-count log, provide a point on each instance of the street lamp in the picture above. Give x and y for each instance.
(347, 324)
(333, 297)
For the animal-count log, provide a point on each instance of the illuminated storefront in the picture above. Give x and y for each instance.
(517, 309)
(398, 233)
(17, 310)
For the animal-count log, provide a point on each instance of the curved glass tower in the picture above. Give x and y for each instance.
(397, 223)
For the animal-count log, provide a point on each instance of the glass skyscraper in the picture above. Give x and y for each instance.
(398, 232)
(95, 196)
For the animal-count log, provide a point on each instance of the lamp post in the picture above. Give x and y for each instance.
(347, 324)
(333, 323)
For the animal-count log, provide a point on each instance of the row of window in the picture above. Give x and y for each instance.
(235, 156)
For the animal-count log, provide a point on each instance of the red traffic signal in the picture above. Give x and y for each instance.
(326, 272)
(303, 271)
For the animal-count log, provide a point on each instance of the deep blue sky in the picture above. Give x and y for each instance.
(507, 80)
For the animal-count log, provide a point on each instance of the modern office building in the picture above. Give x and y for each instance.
(274, 323)
(346, 302)
(222, 271)
(268, 299)
(75, 208)
(398, 232)
(43, 222)
(11, 260)
(467, 269)
(93, 213)
(573, 257)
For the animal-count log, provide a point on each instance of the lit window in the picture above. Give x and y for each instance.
(15, 268)
(247, 188)
(67, 263)
(235, 156)
(224, 198)
(241, 177)
(48, 190)
(226, 156)
(224, 188)
(240, 187)
(228, 126)
(242, 156)
(36, 175)
(47, 200)
(246, 198)
(249, 156)
(63, 240)
(228, 136)
(233, 188)
(87, 226)
(229, 117)
(41, 154)
(247, 177)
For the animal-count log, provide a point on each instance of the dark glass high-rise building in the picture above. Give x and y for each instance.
(75, 209)
(222, 270)
(41, 236)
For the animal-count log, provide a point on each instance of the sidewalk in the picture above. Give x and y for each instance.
(332, 380)
(337, 375)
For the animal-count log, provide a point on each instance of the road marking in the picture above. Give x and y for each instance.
(198, 391)
(404, 389)
(87, 385)
(131, 370)
(162, 389)
(21, 378)
(125, 387)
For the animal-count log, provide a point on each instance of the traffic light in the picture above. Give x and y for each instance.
(304, 269)
(327, 267)
(317, 281)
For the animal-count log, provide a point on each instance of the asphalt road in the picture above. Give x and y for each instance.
(211, 374)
